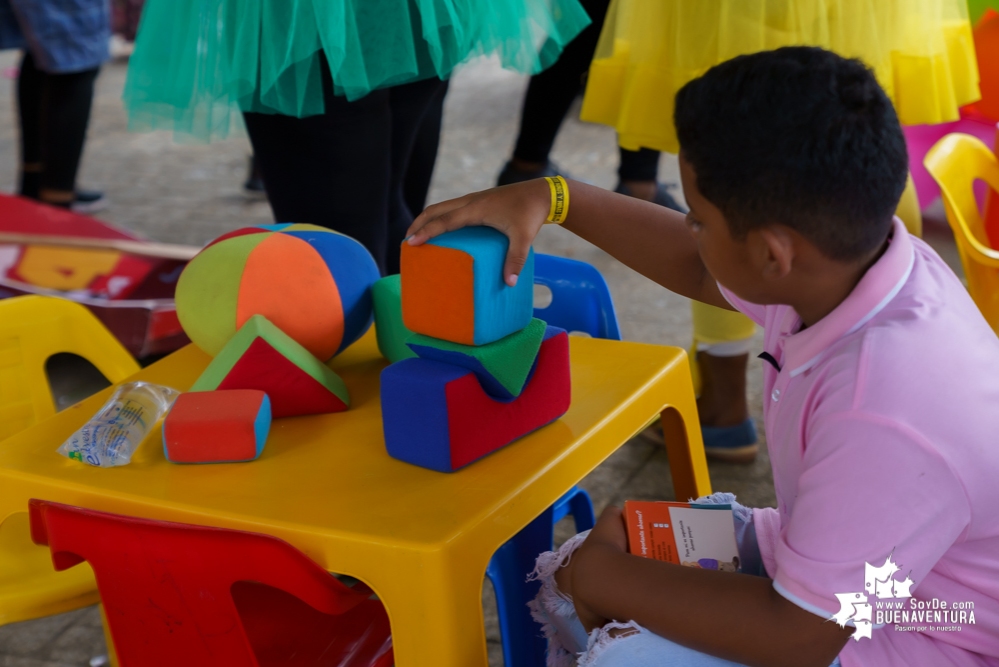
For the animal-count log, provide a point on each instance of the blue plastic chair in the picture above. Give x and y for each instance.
(580, 302)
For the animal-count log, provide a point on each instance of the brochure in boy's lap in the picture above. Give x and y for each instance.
(683, 533)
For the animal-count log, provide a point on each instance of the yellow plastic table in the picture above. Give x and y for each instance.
(421, 539)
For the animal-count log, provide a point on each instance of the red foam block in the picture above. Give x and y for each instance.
(217, 426)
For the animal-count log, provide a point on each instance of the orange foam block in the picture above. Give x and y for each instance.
(453, 288)
(217, 426)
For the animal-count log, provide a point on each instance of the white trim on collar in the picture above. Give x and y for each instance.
(866, 318)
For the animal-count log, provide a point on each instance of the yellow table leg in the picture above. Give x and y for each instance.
(435, 609)
(685, 446)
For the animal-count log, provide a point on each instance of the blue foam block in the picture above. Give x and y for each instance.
(500, 310)
(436, 415)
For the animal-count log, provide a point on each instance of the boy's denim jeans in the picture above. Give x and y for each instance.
(625, 644)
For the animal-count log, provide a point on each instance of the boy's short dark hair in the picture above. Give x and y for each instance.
(797, 136)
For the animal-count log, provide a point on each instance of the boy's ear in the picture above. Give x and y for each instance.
(778, 251)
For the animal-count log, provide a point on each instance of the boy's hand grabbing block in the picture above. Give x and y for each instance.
(261, 356)
(453, 288)
(437, 416)
(217, 426)
(503, 367)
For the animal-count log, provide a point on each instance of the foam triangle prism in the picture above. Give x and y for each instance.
(261, 356)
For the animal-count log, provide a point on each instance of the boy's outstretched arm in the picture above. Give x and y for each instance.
(651, 239)
(734, 616)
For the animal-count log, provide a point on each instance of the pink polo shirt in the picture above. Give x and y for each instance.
(883, 431)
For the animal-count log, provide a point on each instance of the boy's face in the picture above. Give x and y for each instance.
(731, 262)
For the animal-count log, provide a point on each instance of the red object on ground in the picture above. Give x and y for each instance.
(134, 301)
(217, 426)
(26, 216)
(176, 594)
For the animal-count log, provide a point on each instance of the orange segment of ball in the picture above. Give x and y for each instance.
(430, 275)
(290, 301)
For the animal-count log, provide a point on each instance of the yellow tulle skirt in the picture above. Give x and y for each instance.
(921, 51)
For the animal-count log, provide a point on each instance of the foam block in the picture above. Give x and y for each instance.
(453, 288)
(502, 367)
(391, 332)
(261, 356)
(217, 426)
(437, 415)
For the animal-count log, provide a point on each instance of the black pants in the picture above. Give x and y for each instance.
(349, 168)
(54, 110)
(552, 92)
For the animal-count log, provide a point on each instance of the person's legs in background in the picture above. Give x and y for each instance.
(638, 176)
(549, 96)
(416, 110)
(54, 111)
(718, 362)
(420, 171)
(722, 342)
(345, 169)
(330, 170)
(547, 101)
(30, 89)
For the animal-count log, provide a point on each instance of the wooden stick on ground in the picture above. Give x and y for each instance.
(144, 248)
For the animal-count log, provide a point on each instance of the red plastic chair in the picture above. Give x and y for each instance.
(176, 594)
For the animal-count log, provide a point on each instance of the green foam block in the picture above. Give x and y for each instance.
(391, 332)
(503, 366)
(261, 356)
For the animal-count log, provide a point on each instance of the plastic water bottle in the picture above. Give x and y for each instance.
(110, 437)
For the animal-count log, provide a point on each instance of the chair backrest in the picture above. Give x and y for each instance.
(581, 300)
(956, 162)
(32, 329)
(167, 588)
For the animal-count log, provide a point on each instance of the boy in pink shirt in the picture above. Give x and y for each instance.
(881, 390)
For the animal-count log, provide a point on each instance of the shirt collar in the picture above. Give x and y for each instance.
(874, 291)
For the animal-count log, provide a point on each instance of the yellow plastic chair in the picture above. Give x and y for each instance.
(956, 162)
(32, 329)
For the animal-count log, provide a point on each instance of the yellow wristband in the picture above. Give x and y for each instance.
(560, 199)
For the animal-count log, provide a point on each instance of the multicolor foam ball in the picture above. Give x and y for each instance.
(311, 282)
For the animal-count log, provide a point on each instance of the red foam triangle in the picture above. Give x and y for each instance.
(292, 391)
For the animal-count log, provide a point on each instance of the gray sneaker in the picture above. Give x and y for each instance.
(663, 197)
(88, 201)
(511, 174)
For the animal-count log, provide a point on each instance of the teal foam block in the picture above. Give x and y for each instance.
(499, 309)
(465, 301)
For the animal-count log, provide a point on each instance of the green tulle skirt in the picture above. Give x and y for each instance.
(196, 61)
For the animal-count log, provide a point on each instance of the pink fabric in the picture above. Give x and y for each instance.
(921, 138)
(883, 432)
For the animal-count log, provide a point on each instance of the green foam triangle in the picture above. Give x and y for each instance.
(259, 326)
(508, 360)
